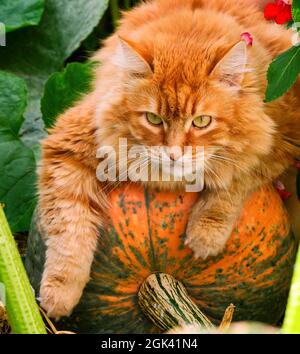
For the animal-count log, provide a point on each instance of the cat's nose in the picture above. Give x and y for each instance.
(175, 153)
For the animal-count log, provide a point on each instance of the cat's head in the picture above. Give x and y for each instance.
(178, 95)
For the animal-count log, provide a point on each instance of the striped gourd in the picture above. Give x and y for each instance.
(167, 304)
(146, 236)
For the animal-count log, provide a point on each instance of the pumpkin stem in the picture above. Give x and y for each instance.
(165, 301)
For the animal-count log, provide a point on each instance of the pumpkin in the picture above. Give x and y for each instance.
(145, 240)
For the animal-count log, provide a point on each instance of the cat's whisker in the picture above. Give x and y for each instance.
(212, 181)
(221, 183)
(243, 169)
(222, 159)
(115, 184)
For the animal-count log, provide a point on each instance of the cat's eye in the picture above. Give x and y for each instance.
(202, 122)
(154, 119)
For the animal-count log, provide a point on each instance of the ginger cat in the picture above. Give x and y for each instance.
(176, 73)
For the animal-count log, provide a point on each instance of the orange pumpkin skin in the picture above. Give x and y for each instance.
(146, 235)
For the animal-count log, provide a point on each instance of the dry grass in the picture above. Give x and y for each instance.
(50, 326)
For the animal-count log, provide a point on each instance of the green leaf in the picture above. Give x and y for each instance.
(36, 52)
(283, 73)
(290, 24)
(13, 101)
(63, 89)
(17, 180)
(296, 11)
(20, 13)
(17, 161)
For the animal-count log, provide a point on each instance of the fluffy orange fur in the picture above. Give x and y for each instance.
(178, 59)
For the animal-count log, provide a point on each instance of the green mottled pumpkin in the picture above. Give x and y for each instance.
(146, 235)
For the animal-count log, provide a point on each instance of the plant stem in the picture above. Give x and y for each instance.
(291, 323)
(115, 12)
(23, 313)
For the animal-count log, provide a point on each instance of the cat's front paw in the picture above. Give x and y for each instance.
(58, 298)
(206, 238)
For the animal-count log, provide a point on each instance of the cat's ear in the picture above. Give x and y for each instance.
(130, 58)
(233, 66)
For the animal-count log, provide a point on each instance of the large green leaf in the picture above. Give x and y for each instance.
(17, 162)
(17, 181)
(13, 97)
(296, 11)
(63, 89)
(20, 13)
(283, 73)
(36, 52)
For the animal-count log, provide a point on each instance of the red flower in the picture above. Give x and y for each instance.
(280, 11)
(284, 194)
(248, 38)
(297, 165)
